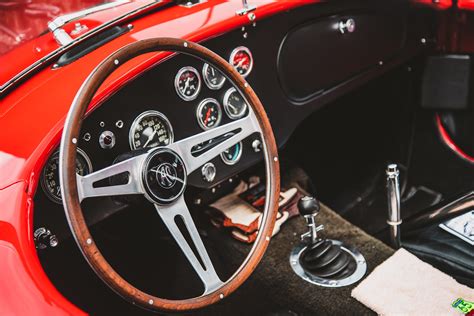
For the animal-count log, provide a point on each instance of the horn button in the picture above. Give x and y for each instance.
(164, 176)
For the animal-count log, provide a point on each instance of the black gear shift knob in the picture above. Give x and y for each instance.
(308, 205)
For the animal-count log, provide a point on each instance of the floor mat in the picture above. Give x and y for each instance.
(277, 283)
(405, 285)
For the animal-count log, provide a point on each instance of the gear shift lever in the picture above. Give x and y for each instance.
(309, 208)
(322, 261)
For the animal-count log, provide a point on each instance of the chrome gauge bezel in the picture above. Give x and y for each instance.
(232, 162)
(234, 52)
(198, 111)
(176, 83)
(208, 82)
(140, 117)
(44, 187)
(226, 105)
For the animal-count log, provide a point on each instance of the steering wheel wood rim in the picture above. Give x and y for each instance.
(72, 198)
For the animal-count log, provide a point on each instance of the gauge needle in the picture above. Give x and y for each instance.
(186, 84)
(208, 115)
(241, 62)
(152, 135)
(233, 107)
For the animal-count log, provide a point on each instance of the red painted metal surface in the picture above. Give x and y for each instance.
(32, 117)
(35, 49)
(439, 4)
(466, 4)
(447, 139)
(24, 20)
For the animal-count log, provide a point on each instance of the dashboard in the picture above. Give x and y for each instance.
(291, 70)
(197, 98)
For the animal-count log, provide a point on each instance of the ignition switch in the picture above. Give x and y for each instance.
(44, 238)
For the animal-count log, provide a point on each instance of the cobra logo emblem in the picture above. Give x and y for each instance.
(166, 175)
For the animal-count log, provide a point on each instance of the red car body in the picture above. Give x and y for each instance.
(32, 115)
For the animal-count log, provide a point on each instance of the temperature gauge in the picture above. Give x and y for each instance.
(234, 104)
(242, 60)
(209, 113)
(187, 83)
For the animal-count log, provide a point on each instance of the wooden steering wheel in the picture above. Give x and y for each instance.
(160, 175)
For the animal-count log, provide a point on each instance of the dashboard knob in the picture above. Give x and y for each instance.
(107, 140)
(208, 172)
(347, 26)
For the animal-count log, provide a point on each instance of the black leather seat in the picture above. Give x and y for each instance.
(444, 251)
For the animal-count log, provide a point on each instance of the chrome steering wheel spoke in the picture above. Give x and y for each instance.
(236, 131)
(87, 185)
(202, 265)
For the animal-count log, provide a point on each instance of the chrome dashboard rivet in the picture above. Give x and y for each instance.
(130, 26)
(254, 24)
(423, 40)
(119, 124)
(102, 124)
(150, 302)
(243, 28)
(74, 140)
(381, 63)
(116, 61)
(86, 137)
(185, 44)
(89, 241)
(213, 190)
(251, 16)
(245, 35)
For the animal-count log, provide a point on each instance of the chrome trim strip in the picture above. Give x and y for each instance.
(148, 6)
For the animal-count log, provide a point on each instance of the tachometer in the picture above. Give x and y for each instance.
(50, 175)
(213, 78)
(234, 104)
(209, 113)
(150, 129)
(187, 83)
(232, 155)
(242, 60)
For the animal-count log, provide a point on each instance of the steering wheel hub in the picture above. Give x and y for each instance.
(164, 176)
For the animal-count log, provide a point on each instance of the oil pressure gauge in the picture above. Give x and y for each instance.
(242, 60)
(187, 83)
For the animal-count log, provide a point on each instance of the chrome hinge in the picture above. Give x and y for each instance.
(246, 8)
(61, 36)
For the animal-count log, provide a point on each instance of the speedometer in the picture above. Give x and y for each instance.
(50, 174)
(150, 129)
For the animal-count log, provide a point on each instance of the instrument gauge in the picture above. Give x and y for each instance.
(50, 175)
(150, 129)
(234, 104)
(209, 113)
(213, 78)
(232, 155)
(187, 83)
(241, 59)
